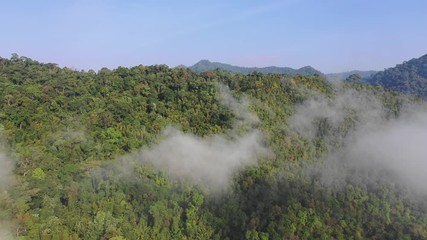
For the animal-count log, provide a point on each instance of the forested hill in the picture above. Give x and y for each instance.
(205, 65)
(409, 77)
(150, 152)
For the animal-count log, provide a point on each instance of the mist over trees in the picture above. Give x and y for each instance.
(131, 153)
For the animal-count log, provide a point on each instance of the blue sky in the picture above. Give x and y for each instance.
(331, 36)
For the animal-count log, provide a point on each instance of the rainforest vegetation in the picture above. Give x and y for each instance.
(73, 138)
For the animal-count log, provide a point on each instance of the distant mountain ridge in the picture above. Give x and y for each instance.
(206, 65)
(409, 77)
(344, 75)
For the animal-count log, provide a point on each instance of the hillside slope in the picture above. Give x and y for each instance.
(409, 77)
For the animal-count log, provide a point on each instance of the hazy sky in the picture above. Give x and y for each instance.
(329, 35)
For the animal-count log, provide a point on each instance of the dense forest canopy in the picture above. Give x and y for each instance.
(150, 152)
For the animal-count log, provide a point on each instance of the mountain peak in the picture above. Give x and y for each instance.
(203, 61)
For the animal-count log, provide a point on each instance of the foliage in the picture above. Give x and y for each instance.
(67, 130)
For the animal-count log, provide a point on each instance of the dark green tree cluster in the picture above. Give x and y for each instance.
(409, 78)
(73, 133)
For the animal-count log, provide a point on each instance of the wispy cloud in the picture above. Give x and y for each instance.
(6, 178)
(211, 161)
(377, 146)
